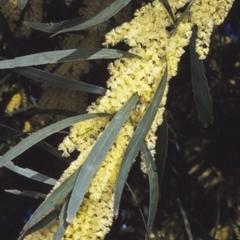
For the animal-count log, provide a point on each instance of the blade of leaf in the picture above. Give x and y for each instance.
(43, 133)
(21, 4)
(29, 173)
(153, 186)
(62, 223)
(64, 56)
(185, 220)
(48, 220)
(97, 155)
(56, 196)
(162, 149)
(54, 27)
(47, 147)
(104, 15)
(32, 194)
(60, 81)
(200, 87)
(168, 8)
(137, 139)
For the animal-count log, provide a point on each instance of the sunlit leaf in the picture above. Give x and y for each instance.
(64, 56)
(59, 81)
(43, 133)
(62, 223)
(21, 4)
(32, 194)
(45, 222)
(104, 15)
(29, 173)
(137, 140)
(54, 27)
(97, 155)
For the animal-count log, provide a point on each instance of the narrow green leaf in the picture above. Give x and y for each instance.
(162, 149)
(62, 224)
(137, 140)
(43, 133)
(21, 4)
(56, 196)
(64, 56)
(45, 222)
(168, 8)
(97, 155)
(185, 220)
(153, 185)
(32, 194)
(47, 147)
(59, 81)
(54, 27)
(200, 87)
(29, 173)
(104, 15)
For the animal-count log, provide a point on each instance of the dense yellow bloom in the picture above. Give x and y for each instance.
(14, 103)
(147, 36)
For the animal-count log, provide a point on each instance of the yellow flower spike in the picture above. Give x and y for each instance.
(14, 103)
(148, 36)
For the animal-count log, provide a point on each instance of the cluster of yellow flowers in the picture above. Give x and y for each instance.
(148, 37)
(16, 101)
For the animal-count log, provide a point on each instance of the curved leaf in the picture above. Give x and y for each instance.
(153, 185)
(21, 4)
(168, 8)
(54, 27)
(43, 133)
(97, 155)
(104, 15)
(29, 173)
(202, 97)
(137, 140)
(32, 194)
(64, 56)
(60, 81)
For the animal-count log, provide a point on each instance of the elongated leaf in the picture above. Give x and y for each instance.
(29, 173)
(162, 149)
(97, 155)
(185, 220)
(62, 223)
(168, 8)
(22, 4)
(56, 196)
(43, 133)
(47, 147)
(104, 15)
(54, 27)
(153, 185)
(200, 87)
(137, 140)
(32, 194)
(64, 56)
(60, 81)
(45, 222)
